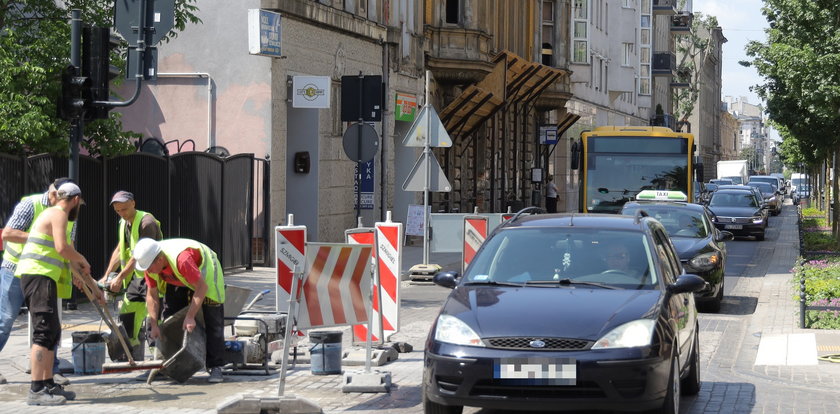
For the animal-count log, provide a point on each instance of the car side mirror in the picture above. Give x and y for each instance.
(687, 283)
(723, 236)
(446, 279)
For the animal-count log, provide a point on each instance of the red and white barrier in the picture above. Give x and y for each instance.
(335, 289)
(367, 236)
(389, 257)
(290, 250)
(475, 232)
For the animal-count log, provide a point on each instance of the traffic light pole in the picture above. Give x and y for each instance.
(77, 125)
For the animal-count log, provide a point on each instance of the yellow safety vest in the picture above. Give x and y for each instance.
(12, 250)
(125, 251)
(210, 268)
(39, 257)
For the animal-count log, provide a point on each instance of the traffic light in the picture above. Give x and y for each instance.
(75, 94)
(96, 64)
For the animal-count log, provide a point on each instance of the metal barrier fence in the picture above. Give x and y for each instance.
(803, 258)
(194, 195)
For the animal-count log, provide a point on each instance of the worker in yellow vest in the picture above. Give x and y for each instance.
(14, 236)
(192, 276)
(134, 225)
(45, 271)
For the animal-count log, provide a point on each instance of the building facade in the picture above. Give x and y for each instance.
(730, 135)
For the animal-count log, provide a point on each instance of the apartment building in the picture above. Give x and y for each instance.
(730, 135)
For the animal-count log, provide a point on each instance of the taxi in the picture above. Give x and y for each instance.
(566, 312)
(701, 246)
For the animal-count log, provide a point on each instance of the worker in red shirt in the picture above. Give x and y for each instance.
(190, 275)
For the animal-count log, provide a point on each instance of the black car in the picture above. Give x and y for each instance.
(699, 244)
(566, 312)
(739, 212)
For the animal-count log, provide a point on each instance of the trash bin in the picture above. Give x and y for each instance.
(88, 352)
(325, 352)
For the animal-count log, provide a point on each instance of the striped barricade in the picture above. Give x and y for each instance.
(389, 257)
(475, 232)
(367, 236)
(290, 250)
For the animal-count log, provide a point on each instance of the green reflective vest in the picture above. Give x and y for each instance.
(12, 250)
(39, 257)
(125, 251)
(210, 268)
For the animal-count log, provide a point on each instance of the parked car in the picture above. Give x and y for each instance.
(770, 195)
(701, 246)
(571, 312)
(739, 212)
(803, 191)
(776, 182)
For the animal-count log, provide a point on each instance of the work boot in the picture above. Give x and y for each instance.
(43, 397)
(2, 379)
(215, 375)
(59, 390)
(61, 380)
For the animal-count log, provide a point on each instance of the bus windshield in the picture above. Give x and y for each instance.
(618, 168)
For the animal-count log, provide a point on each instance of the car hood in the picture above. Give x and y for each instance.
(688, 247)
(560, 312)
(735, 211)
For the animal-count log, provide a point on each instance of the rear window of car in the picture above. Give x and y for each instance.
(531, 255)
(733, 199)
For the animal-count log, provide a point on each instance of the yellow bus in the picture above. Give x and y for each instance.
(617, 162)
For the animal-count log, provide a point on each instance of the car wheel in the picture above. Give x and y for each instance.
(691, 383)
(671, 405)
(713, 305)
(759, 237)
(431, 407)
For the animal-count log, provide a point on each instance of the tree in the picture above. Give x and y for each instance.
(693, 50)
(34, 48)
(801, 85)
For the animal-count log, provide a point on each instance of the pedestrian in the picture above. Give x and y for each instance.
(192, 277)
(551, 195)
(134, 225)
(14, 235)
(46, 267)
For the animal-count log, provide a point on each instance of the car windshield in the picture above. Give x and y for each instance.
(740, 199)
(679, 222)
(763, 187)
(577, 257)
(769, 180)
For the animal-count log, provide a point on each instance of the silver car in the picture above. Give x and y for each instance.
(770, 195)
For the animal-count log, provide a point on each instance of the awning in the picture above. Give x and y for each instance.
(566, 121)
(513, 80)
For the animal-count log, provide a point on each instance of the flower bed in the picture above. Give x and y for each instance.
(821, 273)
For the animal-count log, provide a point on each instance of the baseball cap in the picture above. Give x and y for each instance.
(58, 182)
(122, 197)
(68, 190)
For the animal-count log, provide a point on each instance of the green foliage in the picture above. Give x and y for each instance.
(693, 49)
(812, 212)
(34, 48)
(819, 241)
(814, 222)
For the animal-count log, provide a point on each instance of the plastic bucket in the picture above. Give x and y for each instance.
(325, 352)
(88, 352)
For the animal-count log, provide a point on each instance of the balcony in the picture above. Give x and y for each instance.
(665, 7)
(457, 55)
(666, 120)
(682, 78)
(681, 22)
(664, 64)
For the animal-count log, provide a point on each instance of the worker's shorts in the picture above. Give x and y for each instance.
(40, 296)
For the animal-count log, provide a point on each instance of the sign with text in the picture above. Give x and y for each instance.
(406, 107)
(264, 33)
(548, 134)
(365, 179)
(311, 91)
(414, 221)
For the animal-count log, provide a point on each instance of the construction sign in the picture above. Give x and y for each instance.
(290, 250)
(475, 232)
(389, 258)
(367, 236)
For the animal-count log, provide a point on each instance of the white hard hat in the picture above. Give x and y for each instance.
(145, 253)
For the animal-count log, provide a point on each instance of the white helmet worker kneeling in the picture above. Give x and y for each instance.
(192, 276)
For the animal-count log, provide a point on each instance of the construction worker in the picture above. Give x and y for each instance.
(14, 235)
(45, 271)
(134, 225)
(193, 278)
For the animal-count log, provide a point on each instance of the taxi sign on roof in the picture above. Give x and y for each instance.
(660, 195)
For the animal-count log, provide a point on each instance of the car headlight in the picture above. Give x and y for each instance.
(452, 330)
(757, 219)
(705, 261)
(631, 334)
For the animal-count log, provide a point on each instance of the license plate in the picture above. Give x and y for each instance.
(733, 227)
(554, 371)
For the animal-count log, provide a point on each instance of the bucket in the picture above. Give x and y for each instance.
(88, 352)
(325, 352)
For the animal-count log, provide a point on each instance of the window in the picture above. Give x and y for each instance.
(629, 54)
(645, 48)
(627, 3)
(453, 11)
(547, 33)
(580, 31)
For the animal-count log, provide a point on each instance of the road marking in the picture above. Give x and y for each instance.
(792, 349)
(828, 348)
